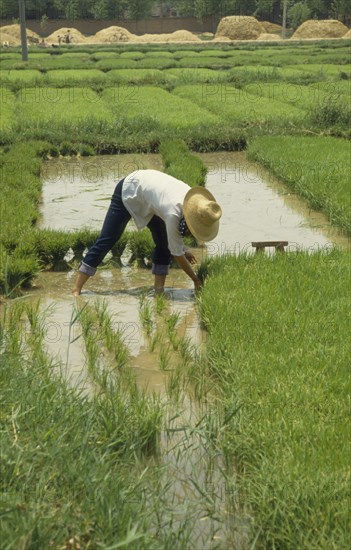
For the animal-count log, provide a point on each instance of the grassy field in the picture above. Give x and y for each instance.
(315, 168)
(278, 346)
(278, 327)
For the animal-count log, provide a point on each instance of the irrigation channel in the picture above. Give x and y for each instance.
(76, 193)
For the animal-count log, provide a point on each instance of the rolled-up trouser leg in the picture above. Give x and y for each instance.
(113, 227)
(161, 256)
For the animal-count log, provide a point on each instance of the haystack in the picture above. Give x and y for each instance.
(7, 39)
(177, 36)
(240, 27)
(271, 28)
(326, 28)
(15, 32)
(266, 37)
(76, 37)
(112, 34)
(348, 34)
(221, 39)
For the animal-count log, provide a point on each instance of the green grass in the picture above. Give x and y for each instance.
(334, 89)
(38, 107)
(28, 76)
(190, 76)
(326, 70)
(70, 464)
(241, 108)
(278, 345)
(107, 64)
(157, 106)
(303, 97)
(79, 76)
(139, 76)
(317, 168)
(180, 163)
(7, 109)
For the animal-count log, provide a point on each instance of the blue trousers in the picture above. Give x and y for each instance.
(113, 227)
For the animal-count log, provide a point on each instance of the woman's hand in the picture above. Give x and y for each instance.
(197, 285)
(190, 257)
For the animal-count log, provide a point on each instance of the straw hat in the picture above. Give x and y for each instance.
(201, 213)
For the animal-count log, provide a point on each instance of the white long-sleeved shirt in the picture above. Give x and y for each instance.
(146, 193)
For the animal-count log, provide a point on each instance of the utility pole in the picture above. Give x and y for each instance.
(285, 9)
(22, 17)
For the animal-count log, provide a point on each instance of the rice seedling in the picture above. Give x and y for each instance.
(282, 369)
(146, 315)
(164, 357)
(156, 63)
(139, 76)
(206, 62)
(59, 106)
(318, 171)
(189, 76)
(7, 111)
(23, 77)
(51, 247)
(158, 106)
(158, 54)
(132, 55)
(303, 97)
(181, 164)
(334, 89)
(241, 108)
(106, 64)
(59, 448)
(69, 77)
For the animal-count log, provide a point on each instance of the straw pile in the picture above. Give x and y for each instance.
(14, 31)
(266, 37)
(271, 28)
(111, 35)
(7, 39)
(76, 37)
(221, 39)
(240, 27)
(348, 34)
(326, 28)
(177, 36)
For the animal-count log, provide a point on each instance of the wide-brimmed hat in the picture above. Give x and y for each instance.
(202, 213)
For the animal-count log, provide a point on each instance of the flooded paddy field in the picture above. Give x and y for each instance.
(255, 206)
(164, 340)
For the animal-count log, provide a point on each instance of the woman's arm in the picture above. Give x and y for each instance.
(186, 267)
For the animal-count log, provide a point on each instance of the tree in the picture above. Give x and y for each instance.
(108, 9)
(298, 13)
(138, 9)
(342, 10)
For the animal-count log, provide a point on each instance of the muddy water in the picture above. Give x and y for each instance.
(76, 192)
(121, 288)
(257, 207)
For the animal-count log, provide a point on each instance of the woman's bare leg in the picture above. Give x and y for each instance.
(159, 283)
(80, 282)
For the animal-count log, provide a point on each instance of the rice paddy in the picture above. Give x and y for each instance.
(158, 439)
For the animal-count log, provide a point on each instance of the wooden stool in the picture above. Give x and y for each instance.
(278, 245)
